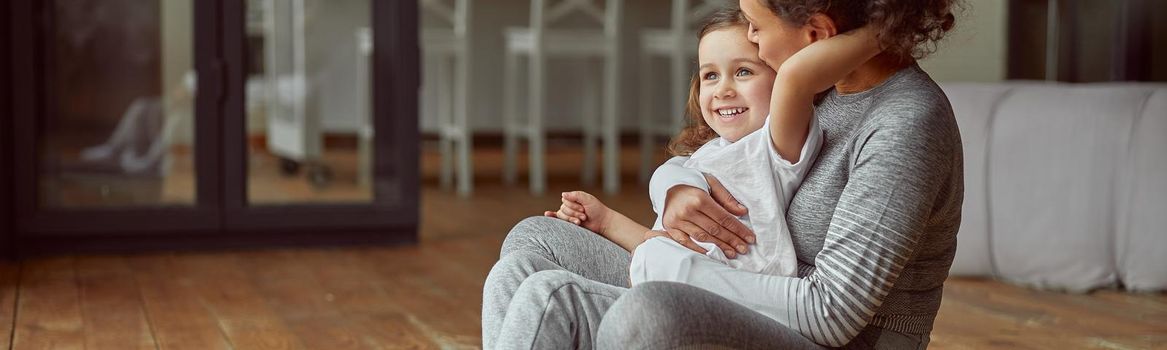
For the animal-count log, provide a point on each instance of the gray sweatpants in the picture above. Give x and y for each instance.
(555, 282)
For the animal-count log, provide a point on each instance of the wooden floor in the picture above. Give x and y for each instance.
(429, 295)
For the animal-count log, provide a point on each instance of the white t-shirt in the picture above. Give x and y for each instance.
(757, 176)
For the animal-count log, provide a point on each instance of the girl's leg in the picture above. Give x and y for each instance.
(538, 244)
(556, 309)
(572, 247)
(667, 315)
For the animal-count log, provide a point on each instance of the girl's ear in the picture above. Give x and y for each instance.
(818, 27)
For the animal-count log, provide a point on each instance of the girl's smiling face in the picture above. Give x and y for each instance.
(735, 84)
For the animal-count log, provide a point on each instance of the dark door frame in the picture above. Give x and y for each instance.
(221, 217)
(395, 156)
(6, 117)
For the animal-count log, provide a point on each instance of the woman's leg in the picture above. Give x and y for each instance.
(541, 243)
(556, 309)
(666, 315)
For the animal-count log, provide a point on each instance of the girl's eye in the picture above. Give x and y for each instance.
(709, 76)
(743, 73)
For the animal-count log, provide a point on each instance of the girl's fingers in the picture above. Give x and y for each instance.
(561, 216)
(579, 198)
(576, 196)
(573, 204)
(572, 212)
(567, 218)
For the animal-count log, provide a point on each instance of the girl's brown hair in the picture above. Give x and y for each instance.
(696, 131)
(908, 29)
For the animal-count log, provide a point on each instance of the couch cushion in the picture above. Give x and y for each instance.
(1142, 241)
(974, 105)
(1053, 156)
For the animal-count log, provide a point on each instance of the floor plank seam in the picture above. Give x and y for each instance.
(145, 310)
(80, 301)
(210, 309)
(15, 306)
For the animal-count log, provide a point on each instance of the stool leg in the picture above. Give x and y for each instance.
(510, 118)
(465, 163)
(536, 90)
(462, 125)
(365, 135)
(591, 123)
(445, 116)
(679, 94)
(611, 120)
(646, 119)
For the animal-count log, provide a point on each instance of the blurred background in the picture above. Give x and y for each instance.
(428, 128)
(122, 74)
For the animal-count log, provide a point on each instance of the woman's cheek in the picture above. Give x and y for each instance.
(769, 57)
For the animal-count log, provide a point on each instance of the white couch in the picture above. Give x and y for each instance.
(1065, 184)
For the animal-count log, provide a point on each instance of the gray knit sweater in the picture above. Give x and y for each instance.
(874, 222)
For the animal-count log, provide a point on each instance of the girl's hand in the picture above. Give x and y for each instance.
(583, 209)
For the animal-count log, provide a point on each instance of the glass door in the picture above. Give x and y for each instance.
(113, 94)
(307, 111)
(322, 137)
(158, 123)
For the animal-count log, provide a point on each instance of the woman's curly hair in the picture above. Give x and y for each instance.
(696, 132)
(908, 29)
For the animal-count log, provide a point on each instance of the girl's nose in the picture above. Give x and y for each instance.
(725, 89)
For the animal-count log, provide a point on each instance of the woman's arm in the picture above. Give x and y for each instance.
(691, 204)
(671, 174)
(808, 72)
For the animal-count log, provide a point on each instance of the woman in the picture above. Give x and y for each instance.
(874, 223)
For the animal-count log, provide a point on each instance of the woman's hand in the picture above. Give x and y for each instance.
(708, 217)
(676, 235)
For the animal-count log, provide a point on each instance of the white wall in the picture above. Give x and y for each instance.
(976, 48)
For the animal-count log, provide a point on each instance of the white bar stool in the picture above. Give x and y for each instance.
(443, 46)
(678, 44)
(538, 42)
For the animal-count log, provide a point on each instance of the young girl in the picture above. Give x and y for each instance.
(758, 158)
